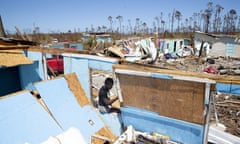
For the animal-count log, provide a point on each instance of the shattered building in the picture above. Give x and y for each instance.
(217, 45)
(157, 105)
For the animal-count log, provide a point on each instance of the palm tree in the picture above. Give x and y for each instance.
(217, 19)
(233, 17)
(137, 25)
(104, 28)
(238, 25)
(158, 25)
(120, 19)
(111, 22)
(144, 27)
(163, 25)
(130, 26)
(208, 14)
(178, 16)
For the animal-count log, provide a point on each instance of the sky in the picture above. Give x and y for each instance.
(77, 15)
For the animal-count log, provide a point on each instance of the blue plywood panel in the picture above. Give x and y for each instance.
(228, 88)
(62, 103)
(101, 64)
(149, 122)
(32, 76)
(23, 120)
(113, 121)
(81, 68)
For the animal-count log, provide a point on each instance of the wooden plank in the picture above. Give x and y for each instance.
(41, 49)
(218, 78)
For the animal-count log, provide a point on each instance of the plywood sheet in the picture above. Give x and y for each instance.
(63, 105)
(23, 120)
(75, 86)
(10, 58)
(178, 99)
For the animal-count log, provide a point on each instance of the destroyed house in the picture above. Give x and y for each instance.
(99, 37)
(16, 69)
(172, 45)
(169, 103)
(217, 45)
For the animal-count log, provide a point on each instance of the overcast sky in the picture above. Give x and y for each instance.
(77, 15)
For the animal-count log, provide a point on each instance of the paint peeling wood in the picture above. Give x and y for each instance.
(75, 86)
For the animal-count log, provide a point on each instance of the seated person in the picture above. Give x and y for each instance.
(104, 101)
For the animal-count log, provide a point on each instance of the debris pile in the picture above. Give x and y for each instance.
(228, 112)
(134, 50)
(218, 65)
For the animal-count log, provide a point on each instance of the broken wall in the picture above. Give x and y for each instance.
(177, 99)
(82, 64)
(220, 45)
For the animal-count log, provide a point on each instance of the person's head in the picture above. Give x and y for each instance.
(108, 83)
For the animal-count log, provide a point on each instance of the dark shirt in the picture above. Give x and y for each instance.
(103, 93)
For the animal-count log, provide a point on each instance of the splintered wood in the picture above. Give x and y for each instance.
(103, 132)
(76, 88)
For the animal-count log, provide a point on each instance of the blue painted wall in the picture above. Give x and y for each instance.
(228, 88)
(24, 120)
(81, 65)
(146, 121)
(29, 74)
(9, 80)
(63, 105)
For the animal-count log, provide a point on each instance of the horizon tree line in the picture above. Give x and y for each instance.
(210, 19)
(207, 20)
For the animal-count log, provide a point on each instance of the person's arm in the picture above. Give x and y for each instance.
(110, 101)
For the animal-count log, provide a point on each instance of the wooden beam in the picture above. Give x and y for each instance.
(218, 78)
(42, 49)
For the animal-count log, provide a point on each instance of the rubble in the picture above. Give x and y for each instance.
(228, 112)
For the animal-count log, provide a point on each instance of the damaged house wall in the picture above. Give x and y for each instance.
(23, 120)
(217, 45)
(81, 64)
(22, 71)
(173, 45)
(160, 102)
(171, 98)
